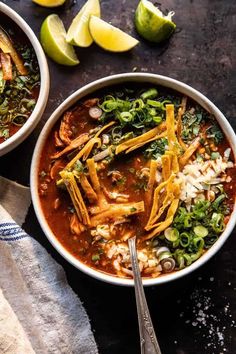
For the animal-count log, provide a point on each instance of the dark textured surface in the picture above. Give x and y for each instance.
(196, 314)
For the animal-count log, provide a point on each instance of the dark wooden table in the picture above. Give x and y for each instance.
(196, 314)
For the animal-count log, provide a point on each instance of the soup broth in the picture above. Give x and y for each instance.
(137, 161)
(19, 78)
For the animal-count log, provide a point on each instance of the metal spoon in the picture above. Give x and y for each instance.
(148, 340)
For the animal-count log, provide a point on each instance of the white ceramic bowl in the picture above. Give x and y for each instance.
(88, 89)
(34, 118)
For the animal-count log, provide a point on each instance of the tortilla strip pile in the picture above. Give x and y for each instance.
(76, 197)
(151, 182)
(117, 210)
(95, 195)
(162, 200)
(166, 194)
(181, 112)
(189, 152)
(131, 144)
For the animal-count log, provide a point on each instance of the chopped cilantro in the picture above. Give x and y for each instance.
(133, 210)
(131, 170)
(215, 133)
(95, 257)
(78, 166)
(4, 133)
(156, 149)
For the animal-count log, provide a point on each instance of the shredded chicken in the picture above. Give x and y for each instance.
(76, 227)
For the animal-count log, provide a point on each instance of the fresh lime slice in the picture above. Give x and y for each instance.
(49, 3)
(52, 37)
(78, 32)
(151, 24)
(109, 37)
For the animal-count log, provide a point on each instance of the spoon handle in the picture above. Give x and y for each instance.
(148, 340)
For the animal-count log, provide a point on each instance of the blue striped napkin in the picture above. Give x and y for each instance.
(38, 309)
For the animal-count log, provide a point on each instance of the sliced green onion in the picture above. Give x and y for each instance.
(149, 94)
(171, 234)
(198, 242)
(126, 117)
(200, 231)
(157, 119)
(195, 256)
(187, 259)
(184, 239)
(168, 264)
(217, 201)
(19, 119)
(138, 104)
(153, 103)
(152, 111)
(109, 106)
(217, 222)
(163, 104)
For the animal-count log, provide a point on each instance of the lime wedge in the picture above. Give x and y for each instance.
(52, 37)
(49, 3)
(152, 24)
(109, 37)
(78, 32)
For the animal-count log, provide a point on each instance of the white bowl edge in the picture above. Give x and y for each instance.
(39, 108)
(93, 87)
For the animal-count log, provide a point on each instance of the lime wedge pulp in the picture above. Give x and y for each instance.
(52, 37)
(78, 32)
(49, 3)
(109, 37)
(152, 24)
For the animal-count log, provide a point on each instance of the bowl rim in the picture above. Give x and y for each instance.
(93, 87)
(39, 108)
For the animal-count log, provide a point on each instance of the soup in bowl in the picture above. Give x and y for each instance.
(135, 155)
(24, 80)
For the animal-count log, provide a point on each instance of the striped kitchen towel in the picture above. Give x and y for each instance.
(39, 313)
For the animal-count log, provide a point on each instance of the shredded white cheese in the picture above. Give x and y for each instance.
(199, 176)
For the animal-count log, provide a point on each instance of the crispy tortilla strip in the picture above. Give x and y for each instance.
(75, 144)
(93, 175)
(76, 197)
(170, 125)
(166, 166)
(162, 135)
(102, 202)
(156, 199)
(88, 189)
(189, 152)
(174, 161)
(172, 192)
(83, 151)
(175, 164)
(151, 181)
(142, 139)
(181, 112)
(117, 210)
(7, 47)
(167, 222)
(90, 146)
(104, 128)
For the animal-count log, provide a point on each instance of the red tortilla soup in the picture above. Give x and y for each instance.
(141, 161)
